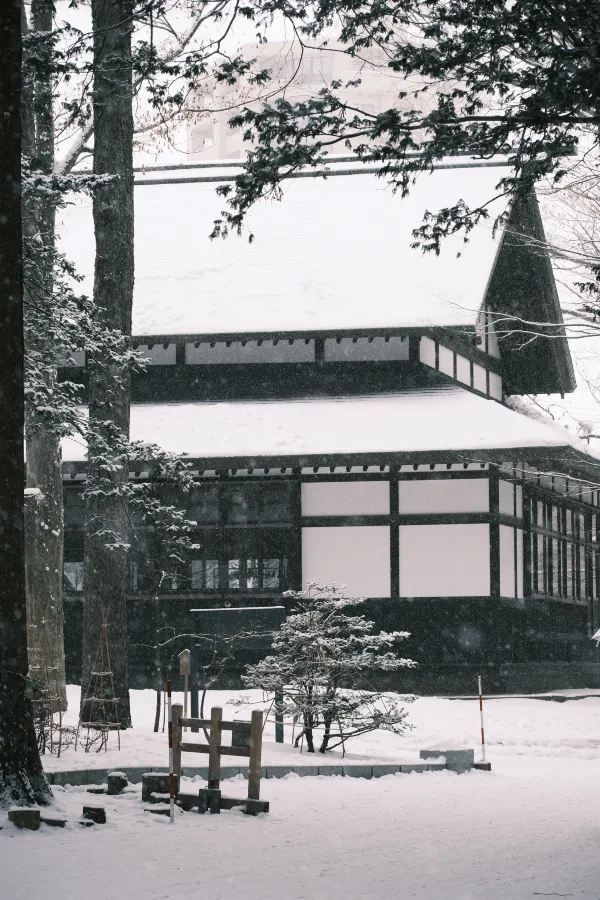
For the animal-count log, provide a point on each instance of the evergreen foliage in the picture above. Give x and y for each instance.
(322, 663)
(520, 79)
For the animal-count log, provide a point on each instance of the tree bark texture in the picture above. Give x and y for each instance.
(44, 523)
(107, 526)
(22, 780)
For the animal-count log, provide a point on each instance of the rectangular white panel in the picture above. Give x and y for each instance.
(427, 352)
(237, 353)
(495, 386)
(479, 378)
(346, 498)
(463, 369)
(444, 495)
(506, 497)
(376, 348)
(507, 562)
(446, 361)
(355, 557)
(520, 590)
(158, 354)
(492, 341)
(444, 560)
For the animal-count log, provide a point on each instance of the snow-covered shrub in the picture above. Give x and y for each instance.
(321, 663)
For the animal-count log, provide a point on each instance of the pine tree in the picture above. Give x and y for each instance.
(322, 664)
(519, 79)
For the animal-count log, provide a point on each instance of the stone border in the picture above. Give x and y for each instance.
(80, 777)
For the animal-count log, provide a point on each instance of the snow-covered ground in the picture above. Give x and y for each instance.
(529, 829)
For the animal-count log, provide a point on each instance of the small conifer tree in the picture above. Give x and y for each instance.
(322, 660)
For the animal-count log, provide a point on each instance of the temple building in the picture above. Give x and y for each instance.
(342, 400)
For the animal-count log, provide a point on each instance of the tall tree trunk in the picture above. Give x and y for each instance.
(21, 777)
(105, 577)
(44, 524)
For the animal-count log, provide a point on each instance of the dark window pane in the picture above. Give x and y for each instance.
(233, 570)
(240, 503)
(204, 575)
(203, 506)
(73, 576)
(211, 575)
(197, 577)
(252, 579)
(271, 579)
(583, 580)
(141, 574)
(74, 509)
(73, 546)
(276, 503)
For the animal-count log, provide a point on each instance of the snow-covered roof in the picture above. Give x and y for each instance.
(437, 419)
(332, 254)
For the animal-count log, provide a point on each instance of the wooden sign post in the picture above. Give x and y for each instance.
(185, 668)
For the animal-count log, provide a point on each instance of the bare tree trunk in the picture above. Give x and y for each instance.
(107, 532)
(21, 777)
(44, 524)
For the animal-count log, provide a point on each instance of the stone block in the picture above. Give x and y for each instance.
(95, 814)
(456, 760)
(331, 770)
(380, 770)
(306, 770)
(53, 821)
(64, 778)
(231, 772)
(154, 783)
(24, 817)
(358, 771)
(117, 782)
(277, 771)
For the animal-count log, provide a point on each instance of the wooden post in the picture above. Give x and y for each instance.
(214, 740)
(255, 755)
(184, 671)
(278, 717)
(177, 714)
(194, 706)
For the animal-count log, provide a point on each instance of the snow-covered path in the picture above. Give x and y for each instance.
(529, 829)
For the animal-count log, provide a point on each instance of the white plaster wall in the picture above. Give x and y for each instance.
(158, 354)
(427, 352)
(444, 560)
(479, 378)
(506, 497)
(346, 498)
(377, 348)
(509, 587)
(249, 352)
(463, 369)
(492, 340)
(357, 557)
(495, 386)
(446, 360)
(520, 589)
(507, 562)
(444, 495)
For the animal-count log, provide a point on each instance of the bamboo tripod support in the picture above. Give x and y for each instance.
(100, 700)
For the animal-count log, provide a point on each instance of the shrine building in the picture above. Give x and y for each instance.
(342, 399)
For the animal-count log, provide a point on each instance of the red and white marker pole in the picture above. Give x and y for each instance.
(171, 773)
(481, 719)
